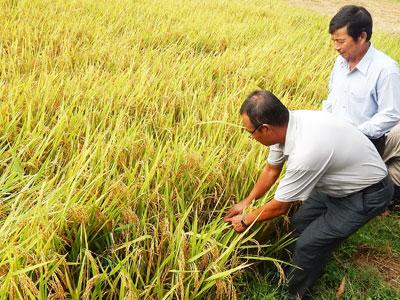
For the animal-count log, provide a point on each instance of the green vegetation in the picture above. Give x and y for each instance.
(121, 146)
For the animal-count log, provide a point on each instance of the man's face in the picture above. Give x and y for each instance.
(261, 133)
(348, 48)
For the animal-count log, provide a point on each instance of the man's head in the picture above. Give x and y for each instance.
(351, 30)
(265, 117)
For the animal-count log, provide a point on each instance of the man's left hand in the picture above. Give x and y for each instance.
(236, 223)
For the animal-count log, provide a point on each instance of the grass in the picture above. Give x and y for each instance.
(120, 144)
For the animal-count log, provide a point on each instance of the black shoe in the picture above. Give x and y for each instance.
(394, 205)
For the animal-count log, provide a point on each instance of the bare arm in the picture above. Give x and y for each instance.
(265, 181)
(269, 210)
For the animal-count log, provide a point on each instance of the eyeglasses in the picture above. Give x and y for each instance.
(256, 129)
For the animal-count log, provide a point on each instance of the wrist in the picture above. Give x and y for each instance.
(247, 201)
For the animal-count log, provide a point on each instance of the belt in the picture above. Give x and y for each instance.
(375, 187)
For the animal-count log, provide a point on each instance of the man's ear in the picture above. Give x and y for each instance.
(266, 127)
(363, 36)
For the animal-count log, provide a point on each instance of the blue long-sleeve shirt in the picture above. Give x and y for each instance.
(369, 95)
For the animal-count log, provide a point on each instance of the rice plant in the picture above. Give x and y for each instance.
(121, 146)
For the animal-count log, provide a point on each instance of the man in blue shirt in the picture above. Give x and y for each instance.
(364, 87)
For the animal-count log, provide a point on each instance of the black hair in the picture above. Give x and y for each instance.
(263, 107)
(356, 18)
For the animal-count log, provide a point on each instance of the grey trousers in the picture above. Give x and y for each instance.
(321, 223)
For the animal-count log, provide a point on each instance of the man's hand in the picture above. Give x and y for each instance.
(237, 224)
(236, 209)
(268, 177)
(269, 210)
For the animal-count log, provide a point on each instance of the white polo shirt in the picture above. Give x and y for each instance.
(326, 154)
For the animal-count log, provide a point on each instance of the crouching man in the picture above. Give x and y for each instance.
(330, 165)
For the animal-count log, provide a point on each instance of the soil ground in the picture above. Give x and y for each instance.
(383, 260)
(385, 13)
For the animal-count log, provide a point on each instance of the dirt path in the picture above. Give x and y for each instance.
(385, 13)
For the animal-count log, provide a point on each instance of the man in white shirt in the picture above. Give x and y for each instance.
(330, 165)
(364, 87)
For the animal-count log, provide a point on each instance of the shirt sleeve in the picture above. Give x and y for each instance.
(296, 185)
(327, 103)
(388, 100)
(302, 175)
(275, 155)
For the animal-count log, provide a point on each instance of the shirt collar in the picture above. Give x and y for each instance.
(363, 64)
(290, 134)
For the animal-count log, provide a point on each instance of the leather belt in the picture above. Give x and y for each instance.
(375, 187)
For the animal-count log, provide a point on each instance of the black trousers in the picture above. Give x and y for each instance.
(322, 222)
(396, 196)
(397, 193)
(379, 144)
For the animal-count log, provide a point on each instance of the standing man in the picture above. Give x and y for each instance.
(330, 165)
(364, 87)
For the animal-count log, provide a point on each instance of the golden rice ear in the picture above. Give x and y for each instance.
(56, 289)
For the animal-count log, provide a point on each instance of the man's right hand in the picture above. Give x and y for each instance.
(236, 209)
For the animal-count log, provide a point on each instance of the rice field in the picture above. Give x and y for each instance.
(121, 143)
